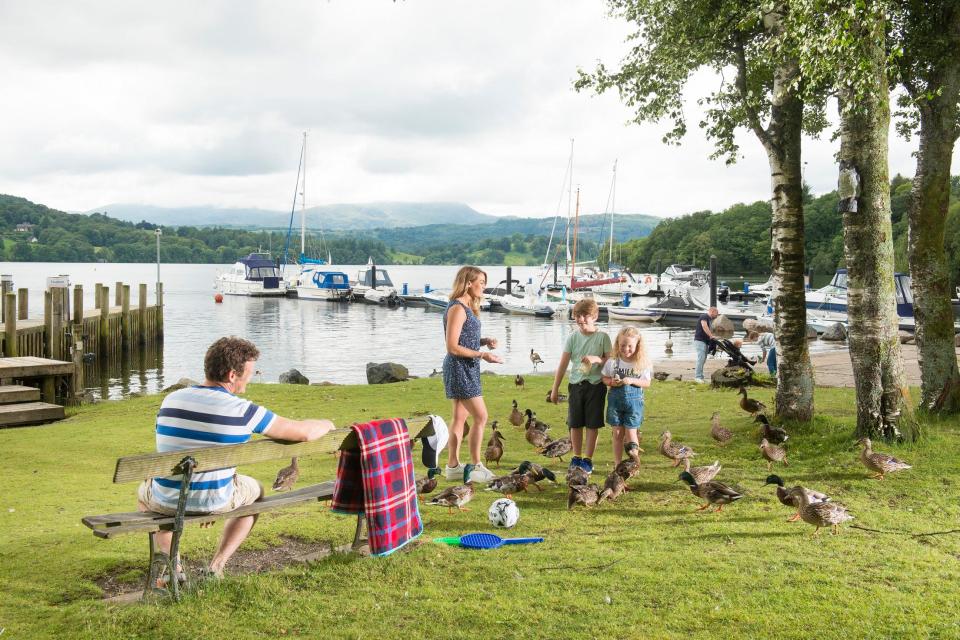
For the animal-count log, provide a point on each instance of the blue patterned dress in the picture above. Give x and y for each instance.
(461, 376)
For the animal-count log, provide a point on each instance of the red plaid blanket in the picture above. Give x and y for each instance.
(378, 481)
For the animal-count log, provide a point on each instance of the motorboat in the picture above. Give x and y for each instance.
(254, 275)
(374, 285)
(316, 284)
(636, 314)
(833, 297)
(529, 305)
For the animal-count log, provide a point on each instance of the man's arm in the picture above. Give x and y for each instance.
(298, 430)
(706, 328)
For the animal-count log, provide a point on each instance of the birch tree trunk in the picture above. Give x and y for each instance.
(868, 243)
(929, 201)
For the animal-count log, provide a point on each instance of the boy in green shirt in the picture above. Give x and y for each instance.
(589, 349)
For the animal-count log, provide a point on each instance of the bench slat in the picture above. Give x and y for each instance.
(115, 524)
(152, 465)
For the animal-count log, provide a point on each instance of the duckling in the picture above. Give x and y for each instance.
(494, 446)
(879, 463)
(753, 407)
(702, 474)
(557, 448)
(820, 514)
(630, 466)
(536, 472)
(614, 486)
(577, 476)
(787, 499)
(718, 433)
(287, 476)
(516, 418)
(661, 375)
(772, 453)
(510, 484)
(713, 492)
(535, 359)
(456, 496)
(587, 495)
(771, 433)
(429, 483)
(519, 382)
(668, 345)
(676, 452)
(533, 423)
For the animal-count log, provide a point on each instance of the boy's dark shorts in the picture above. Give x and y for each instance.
(586, 405)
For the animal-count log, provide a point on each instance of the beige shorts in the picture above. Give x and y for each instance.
(246, 491)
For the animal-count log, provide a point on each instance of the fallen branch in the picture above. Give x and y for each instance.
(598, 567)
(935, 533)
(905, 533)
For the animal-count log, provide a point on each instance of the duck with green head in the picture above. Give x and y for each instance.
(713, 492)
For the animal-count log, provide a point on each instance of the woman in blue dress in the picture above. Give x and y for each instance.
(461, 371)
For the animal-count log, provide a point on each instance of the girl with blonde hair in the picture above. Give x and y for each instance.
(627, 373)
(461, 372)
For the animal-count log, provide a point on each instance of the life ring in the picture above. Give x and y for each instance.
(647, 280)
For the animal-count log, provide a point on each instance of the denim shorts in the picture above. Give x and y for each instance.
(625, 407)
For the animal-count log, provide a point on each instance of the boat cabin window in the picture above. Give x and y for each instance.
(903, 286)
(839, 280)
(383, 280)
(259, 273)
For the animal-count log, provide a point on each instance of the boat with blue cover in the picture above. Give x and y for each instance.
(254, 275)
(315, 283)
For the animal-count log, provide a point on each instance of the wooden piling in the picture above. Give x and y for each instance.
(142, 305)
(78, 304)
(23, 295)
(96, 295)
(104, 320)
(159, 327)
(118, 294)
(125, 318)
(57, 313)
(47, 319)
(10, 325)
(76, 333)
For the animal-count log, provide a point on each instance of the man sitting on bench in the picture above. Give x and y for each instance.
(212, 414)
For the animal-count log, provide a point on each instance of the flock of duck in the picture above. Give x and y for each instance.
(811, 506)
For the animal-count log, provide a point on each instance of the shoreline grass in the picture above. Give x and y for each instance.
(645, 566)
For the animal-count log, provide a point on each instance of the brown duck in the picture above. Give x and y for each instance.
(518, 382)
(577, 476)
(494, 447)
(557, 448)
(429, 483)
(454, 497)
(629, 466)
(788, 499)
(510, 484)
(705, 474)
(676, 452)
(718, 433)
(879, 463)
(820, 514)
(287, 476)
(613, 487)
(587, 495)
(516, 418)
(753, 407)
(772, 453)
(536, 472)
(777, 435)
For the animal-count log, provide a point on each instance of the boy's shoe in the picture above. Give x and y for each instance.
(700, 381)
(575, 461)
(453, 473)
(479, 473)
(586, 464)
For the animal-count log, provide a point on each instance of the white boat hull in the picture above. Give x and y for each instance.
(316, 293)
(635, 314)
(379, 296)
(230, 287)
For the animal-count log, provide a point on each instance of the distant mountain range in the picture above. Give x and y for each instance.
(333, 217)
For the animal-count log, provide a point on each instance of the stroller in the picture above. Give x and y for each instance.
(737, 359)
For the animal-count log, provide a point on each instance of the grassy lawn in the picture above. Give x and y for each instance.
(646, 566)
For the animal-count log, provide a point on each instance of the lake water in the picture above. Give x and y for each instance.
(325, 341)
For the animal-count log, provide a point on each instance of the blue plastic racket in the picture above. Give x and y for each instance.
(485, 541)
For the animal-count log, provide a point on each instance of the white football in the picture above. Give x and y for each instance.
(504, 513)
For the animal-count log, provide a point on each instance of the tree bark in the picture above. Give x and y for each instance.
(868, 243)
(929, 202)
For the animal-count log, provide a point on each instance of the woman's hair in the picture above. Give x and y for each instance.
(586, 307)
(465, 277)
(640, 359)
(226, 355)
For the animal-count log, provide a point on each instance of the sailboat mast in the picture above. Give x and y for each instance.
(576, 224)
(569, 204)
(613, 198)
(303, 201)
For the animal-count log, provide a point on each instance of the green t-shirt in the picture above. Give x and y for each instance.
(592, 344)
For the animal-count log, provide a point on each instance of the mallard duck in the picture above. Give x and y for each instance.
(456, 496)
(557, 448)
(536, 473)
(587, 495)
(753, 407)
(713, 492)
(519, 382)
(676, 452)
(287, 476)
(718, 433)
(787, 499)
(535, 359)
(773, 434)
(702, 474)
(612, 487)
(772, 453)
(660, 375)
(516, 418)
(820, 514)
(537, 438)
(577, 476)
(879, 463)
(429, 483)
(510, 484)
(494, 449)
(629, 466)
(533, 423)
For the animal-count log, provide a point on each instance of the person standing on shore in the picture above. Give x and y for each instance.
(461, 372)
(702, 338)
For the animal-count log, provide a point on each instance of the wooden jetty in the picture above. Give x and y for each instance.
(69, 335)
(21, 404)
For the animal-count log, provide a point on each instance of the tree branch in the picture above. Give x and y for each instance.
(753, 119)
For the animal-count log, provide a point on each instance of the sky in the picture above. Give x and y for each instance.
(204, 103)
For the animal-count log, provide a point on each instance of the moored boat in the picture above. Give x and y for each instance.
(254, 275)
(316, 284)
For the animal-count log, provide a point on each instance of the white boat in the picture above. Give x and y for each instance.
(381, 290)
(636, 314)
(255, 275)
(440, 299)
(527, 306)
(318, 284)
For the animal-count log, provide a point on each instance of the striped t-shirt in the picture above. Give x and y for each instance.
(203, 417)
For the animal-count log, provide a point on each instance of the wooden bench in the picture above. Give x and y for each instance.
(140, 467)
